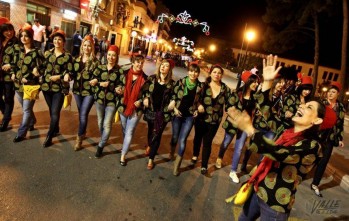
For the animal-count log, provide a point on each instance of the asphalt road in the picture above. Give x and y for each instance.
(57, 183)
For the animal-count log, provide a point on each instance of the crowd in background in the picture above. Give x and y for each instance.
(275, 111)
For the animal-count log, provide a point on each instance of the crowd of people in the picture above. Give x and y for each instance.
(275, 111)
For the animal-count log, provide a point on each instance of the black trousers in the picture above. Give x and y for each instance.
(207, 138)
(7, 100)
(321, 166)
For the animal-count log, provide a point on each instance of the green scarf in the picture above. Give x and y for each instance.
(188, 85)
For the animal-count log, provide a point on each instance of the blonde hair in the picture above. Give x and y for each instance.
(92, 55)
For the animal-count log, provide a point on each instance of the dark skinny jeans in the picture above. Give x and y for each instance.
(207, 138)
(321, 166)
(54, 102)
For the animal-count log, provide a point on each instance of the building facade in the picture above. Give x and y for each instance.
(113, 19)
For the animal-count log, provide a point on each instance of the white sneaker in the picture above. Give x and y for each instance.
(234, 177)
(218, 163)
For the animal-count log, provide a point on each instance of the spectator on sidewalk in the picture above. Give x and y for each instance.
(48, 32)
(49, 42)
(254, 70)
(77, 39)
(103, 45)
(39, 35)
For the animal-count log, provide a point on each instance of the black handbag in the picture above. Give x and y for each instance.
(149, 115)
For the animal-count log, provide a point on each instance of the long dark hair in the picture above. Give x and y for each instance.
(305, 87)
(6, 27)
(313, 132)
(243, 90)
(30, 35)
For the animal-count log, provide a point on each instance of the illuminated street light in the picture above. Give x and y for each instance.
(249, 35)
(133, 34)
(212, 48)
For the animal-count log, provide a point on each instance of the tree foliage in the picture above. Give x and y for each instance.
(295, 22)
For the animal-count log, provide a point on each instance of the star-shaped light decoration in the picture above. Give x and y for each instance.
(184, 18)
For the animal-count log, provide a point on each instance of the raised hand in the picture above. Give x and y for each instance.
(241, 120)
(269, 65)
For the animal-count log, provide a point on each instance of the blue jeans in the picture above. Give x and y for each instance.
(181, 127)
(239, 144)
(228, 137)
(248, 153)
(28, 118)
(84, 104)
(128, 128)
(7, 100)
(256, 207)
(105, 115)
(54, 102)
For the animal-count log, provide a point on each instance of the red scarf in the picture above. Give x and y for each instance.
(131, 93)
(288, 138)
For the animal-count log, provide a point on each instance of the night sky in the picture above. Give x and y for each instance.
(227, 20)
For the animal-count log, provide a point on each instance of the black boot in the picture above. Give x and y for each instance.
(99, 152)
(3, 126)
(47, 142)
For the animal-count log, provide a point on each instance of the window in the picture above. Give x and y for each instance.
(324, 76)
(37, 8)
(40, 12)
(330, 76)
(310, 72)
(283, 64)
(335, 77)
(4, 9)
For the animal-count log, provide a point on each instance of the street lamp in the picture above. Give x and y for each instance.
(212, 48)
(133, 34)
(249, 35)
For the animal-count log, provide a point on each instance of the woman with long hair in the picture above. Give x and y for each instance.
(184, 105)
(156, 93)
(109, 81)
(244, 101)
(83, 68)
(58, 66)
(27, 73)
(301, 95)
(214, 95)
(332, 137)
(9, 47)
(267, 119)
(287, 160)
(130, 110)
